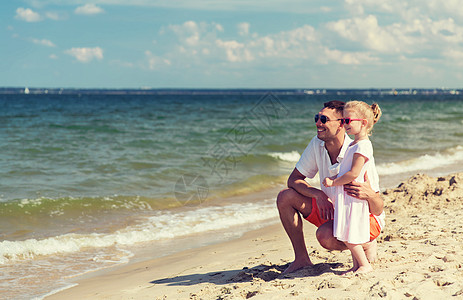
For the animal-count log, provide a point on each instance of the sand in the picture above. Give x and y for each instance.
(420, 256)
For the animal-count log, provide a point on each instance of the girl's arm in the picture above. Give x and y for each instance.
(358, 161)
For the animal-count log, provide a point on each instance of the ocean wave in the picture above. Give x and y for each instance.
(165, 225)
(82, 206)
(292, 156)
(448, 157)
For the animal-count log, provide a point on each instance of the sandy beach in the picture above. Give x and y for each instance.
(419, 257)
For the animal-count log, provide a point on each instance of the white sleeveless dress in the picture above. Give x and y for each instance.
(351, 215)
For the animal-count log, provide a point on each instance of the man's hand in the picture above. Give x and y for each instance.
(325, 206)
(360, 190)
(363, 191)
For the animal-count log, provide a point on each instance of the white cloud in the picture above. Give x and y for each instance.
(27, 14)
(347, 58)
(395, 7)
(454, 56)
(243, 28)
(86, 55)
(193, 41)
(192, 33)
(55, 16)
(447, 31)
(53, 56)
(200, 43)
(377, 36)
(88, 9)
(406, 11)
(43, 42)
(188, 32)
(325, 9)
(298, 43)
(219, 27)
(155, 62)
(446, 8)
(418, 37)
(236, 52)
(200, 40)
(367, 32)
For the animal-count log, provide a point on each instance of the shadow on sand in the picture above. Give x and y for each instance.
(260, 272)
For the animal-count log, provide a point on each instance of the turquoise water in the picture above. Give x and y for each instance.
(93, 175)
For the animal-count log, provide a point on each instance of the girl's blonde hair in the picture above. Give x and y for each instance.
(371, 113)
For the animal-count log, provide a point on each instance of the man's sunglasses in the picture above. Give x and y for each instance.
(323, 119)
(348, 120)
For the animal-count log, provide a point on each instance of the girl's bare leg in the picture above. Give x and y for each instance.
(355, 266)
(371, 249)
(360, 258)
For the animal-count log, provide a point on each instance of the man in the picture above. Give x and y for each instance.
(322, 156)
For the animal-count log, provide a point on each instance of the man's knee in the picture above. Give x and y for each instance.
(327, 240)
(284, 197)
(290, 199)
(323, 235)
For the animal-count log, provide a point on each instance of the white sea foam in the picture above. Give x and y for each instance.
(165, 225)
(449, 157)
(292, 156)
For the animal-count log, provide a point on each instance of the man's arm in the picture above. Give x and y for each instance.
(364, 191)
(325, 205)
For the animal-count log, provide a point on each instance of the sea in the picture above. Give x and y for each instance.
(91, 179)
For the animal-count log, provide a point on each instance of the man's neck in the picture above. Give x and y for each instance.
(334, 147)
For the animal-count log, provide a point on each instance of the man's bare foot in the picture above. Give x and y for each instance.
(297, 265)
(371, 249)
(364, 269)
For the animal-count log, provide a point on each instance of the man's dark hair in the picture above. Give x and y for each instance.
(335, 104)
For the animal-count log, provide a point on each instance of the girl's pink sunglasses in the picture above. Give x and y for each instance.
(348, 120)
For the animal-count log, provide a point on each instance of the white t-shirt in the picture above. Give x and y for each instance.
(315, 159)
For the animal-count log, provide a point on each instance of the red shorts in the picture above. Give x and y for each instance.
(317, 220)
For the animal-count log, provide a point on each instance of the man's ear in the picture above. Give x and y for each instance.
(364, 122)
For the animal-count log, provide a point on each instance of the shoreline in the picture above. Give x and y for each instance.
(418, 257)
(206, 261)
(158, 250)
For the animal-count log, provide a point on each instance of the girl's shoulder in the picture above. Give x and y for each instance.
(361, 143)
(363, 147)
(365, 142)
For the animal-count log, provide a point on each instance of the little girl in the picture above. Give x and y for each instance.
(351, 215)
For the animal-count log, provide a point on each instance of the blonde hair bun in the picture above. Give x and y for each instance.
(376, 112)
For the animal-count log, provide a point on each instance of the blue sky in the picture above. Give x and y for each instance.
(231, 44)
